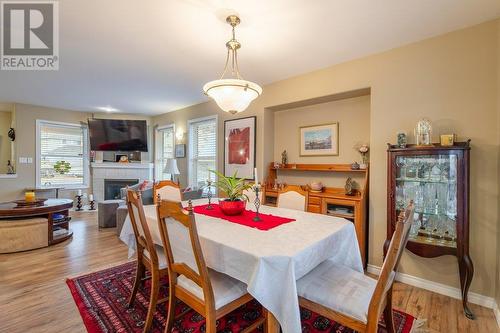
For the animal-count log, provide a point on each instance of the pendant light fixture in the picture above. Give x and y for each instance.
(234, 94)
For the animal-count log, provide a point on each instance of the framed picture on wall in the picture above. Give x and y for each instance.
(239, 147)
(180, 150)
(319, 140)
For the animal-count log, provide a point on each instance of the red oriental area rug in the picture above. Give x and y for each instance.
(101, 298)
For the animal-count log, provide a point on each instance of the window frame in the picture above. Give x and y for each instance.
(190, 150)
(85, 157)
(157, 167)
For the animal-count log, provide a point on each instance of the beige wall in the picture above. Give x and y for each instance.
(26, 116)
(450, 79)
(498, 137)
(353, 116)
(5, 143)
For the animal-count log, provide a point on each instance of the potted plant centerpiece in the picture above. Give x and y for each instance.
(235, 201)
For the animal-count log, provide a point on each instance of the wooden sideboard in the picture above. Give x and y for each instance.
(331, 201)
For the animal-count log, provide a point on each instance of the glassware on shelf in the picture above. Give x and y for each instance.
(400, 197)
(415, 226)
(401, 164)
(423, 133)
(429, 198)
(431, 228)
(452, 200)
(442, 198)
(442, 166)
(411, 169)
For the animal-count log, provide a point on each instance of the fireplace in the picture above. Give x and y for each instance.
(112, 187)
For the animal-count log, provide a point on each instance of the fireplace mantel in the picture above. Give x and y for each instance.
(102, 171)
(131, 165)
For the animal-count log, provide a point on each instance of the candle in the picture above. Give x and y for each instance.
(91, 197)
(256, 177)
(209, 175)
(79, 192)
(29, 196)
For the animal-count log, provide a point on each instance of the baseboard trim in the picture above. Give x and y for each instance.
(486, 301)
(496, 311)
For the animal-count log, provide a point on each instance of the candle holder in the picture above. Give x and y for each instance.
(79, 202)
(256, 189)
(92, 205)
(209, 195)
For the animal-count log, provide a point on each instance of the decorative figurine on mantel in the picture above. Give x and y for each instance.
(10, 168)
(284, 158)
(349, 186)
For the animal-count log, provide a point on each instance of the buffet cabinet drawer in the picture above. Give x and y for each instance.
(314, 200)
(314, 209)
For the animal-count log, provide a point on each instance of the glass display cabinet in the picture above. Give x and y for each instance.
(436, 178)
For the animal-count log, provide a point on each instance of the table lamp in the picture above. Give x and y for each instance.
(171, 168)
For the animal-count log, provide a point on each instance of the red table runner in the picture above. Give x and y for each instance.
(267, 221)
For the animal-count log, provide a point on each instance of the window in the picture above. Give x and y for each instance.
(165, 144)
(62, 155)
(202, 149)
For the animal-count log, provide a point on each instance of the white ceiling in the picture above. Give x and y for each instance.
(154, 56)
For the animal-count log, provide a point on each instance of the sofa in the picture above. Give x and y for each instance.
(116, 212)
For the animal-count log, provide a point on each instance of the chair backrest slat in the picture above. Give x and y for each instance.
(137, 217)
(183, 251)
(391, 262)
(293, 197)
(167, 190)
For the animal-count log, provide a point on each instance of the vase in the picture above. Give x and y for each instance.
(229, 207)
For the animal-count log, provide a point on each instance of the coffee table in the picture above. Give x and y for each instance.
(56, 211)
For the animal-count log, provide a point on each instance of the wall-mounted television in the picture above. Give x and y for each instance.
(118, 135)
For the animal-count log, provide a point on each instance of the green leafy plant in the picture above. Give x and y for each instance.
(62, 167)
(232, 186)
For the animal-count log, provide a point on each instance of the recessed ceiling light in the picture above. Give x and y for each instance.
(107, 109)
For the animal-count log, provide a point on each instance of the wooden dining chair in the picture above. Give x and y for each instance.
(351, 298)
(293, 197)
(208, 292)
(149, 256)
(168, 190)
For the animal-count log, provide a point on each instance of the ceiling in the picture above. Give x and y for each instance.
(154, 56)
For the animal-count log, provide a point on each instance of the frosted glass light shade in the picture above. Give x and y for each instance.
(232, 95)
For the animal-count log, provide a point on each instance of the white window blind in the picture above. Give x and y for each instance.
(202, 150)
(63, 145)
(165, 149)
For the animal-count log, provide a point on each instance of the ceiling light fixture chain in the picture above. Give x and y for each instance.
(232, 49)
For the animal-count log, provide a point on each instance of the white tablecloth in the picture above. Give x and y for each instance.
(269, 262)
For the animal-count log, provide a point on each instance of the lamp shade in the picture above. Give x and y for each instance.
(232, 95)
(171, 167)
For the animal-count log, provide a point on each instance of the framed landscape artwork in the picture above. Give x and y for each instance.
(180, 150)
(239, 147)
(319, 140)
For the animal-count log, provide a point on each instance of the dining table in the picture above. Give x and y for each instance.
(270, 261)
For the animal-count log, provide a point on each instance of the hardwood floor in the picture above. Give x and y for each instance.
(34, 296)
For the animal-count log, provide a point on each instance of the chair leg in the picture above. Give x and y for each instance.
(139, 274)
(155, 290)
(210, 325)
(172, 301)
(388, 317)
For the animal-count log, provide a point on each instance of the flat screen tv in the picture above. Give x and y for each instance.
(118, 135)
